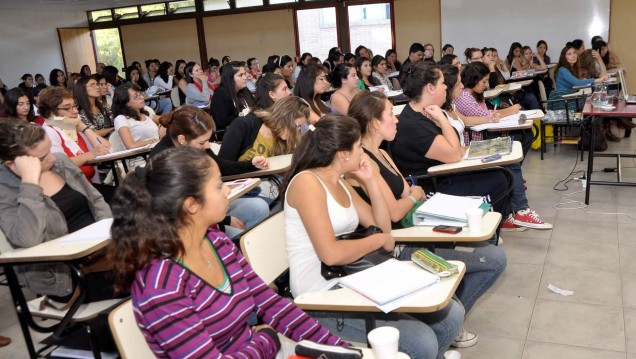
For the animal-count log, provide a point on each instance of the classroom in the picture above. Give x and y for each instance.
(548, 274)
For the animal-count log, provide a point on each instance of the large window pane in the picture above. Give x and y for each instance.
(370, 25)
(317, 31)
(108, 47)
(209, 5)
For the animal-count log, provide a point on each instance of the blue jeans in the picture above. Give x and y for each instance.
(518, 199)
(165, 105)
(250, 210)
(483, 266)
(422, 336)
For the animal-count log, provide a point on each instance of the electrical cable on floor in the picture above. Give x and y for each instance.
(580, 206)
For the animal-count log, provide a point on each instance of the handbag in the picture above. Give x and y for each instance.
(369, 260)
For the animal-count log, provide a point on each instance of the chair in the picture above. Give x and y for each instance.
(174, 96)
(129, 339)
(77, 314)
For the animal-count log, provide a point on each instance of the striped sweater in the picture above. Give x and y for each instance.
(181, 316)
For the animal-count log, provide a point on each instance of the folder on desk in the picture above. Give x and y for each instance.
(447, 209)
(485, 148)
(389, 281)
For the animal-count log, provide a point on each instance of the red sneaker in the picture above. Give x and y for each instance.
(529, 218)
(510, 226)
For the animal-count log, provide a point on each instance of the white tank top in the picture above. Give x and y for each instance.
(304, 264)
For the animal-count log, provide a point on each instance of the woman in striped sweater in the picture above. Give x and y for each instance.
(193, 292)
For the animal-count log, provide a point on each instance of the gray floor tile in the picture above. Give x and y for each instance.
(629, 289)
(539, 350)
(580, 231)
(490, 347)
(588, 255)
(627, 258)
(501, 315)
(630, 329)
(589, 325)
(519, 279)
(525, 250)
(590, 286)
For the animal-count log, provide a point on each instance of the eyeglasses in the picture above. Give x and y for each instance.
(92, 84)
(477, 58)
(68, 109)
(138, 96)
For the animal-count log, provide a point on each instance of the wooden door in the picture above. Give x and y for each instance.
(78, 48)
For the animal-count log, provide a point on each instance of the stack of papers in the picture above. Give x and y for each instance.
(508, 121)
(389, 281)
(444, 209)
(97, 231)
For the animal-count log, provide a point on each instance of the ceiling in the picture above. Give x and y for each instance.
(70, 5)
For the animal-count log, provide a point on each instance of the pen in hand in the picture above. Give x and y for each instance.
(412, 180)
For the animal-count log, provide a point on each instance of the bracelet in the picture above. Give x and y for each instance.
(85, 128)
(413, 199)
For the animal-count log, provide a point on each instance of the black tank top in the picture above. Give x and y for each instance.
(395, 181)
(75, 208)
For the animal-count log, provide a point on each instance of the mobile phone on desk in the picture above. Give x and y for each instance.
(447, 229)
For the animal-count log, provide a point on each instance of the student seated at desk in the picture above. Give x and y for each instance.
(380, 71)
(18, 104)
(287, 70)
(232, 98)
(374, 113)
(91, 110)
(163, 82)
(271, 132)
(312, 82)
(319, 205)
(392, 62)
(542, 53)
(63, 126)
(365, 74)
(450, 59)
(426, 138)
(568, 70)
(43, 197)
(513, 53)
(522, 217)
(590, 66)
(187, 127)
(344, 78)
(193, 292)
(198, 91)
(526, 61)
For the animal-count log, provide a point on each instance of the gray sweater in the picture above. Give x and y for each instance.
(28, 218)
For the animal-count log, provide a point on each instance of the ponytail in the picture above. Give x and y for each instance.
(148, 210)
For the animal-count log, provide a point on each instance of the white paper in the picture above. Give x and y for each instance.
(384, 88)
(393, 93)
(119, 153)
(448, 207)
(97, 231)
(509, 121)
(237, 185)
(397, 110)
(432, 222)
(563, 292)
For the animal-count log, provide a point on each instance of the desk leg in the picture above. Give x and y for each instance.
(542, 134)
(590, 160)
(23, 315)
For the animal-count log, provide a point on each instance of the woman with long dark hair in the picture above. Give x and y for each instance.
(201, 306)
(163, 82)
(91, 110)
(57, 78)
(198, 92)
(232, 98)
(344, 78)
(18, 103)
(312, 82)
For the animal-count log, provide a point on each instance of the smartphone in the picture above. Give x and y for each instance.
(447, 229)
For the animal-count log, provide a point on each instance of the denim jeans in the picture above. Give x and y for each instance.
(422, 336)
(165, 105)
(518, 199)
(483, 266)
(250, 210)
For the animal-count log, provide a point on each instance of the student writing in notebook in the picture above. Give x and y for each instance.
(319, 205)
(374, 113)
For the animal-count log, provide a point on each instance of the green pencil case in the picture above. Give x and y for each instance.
(434, 263)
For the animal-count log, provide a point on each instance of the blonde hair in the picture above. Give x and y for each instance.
(282, 117)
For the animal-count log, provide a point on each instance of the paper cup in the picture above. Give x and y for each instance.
(384, 342)
(473, 217)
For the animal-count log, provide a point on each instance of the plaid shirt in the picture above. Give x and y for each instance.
(468, 106)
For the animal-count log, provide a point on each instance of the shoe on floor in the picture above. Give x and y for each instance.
(465, 339)
(529, 218)
(4, 341)
(525, 188)
(452, 354)
(510, 226)
(499, 240)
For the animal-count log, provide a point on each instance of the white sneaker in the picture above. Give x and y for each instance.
(452, 354)
(465, 339)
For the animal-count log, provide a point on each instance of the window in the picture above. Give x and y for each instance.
(124, 13)
(209, 5)
(180, 7)
(247, 3)
(370, 25)
(153, 10)
(108, 45)
(101, 15)
(274, 2)
(317, 31)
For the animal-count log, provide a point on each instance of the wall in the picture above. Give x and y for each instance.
(165, 40)
(257, 34)
(622, 39)
(29, 41)
(417, 21)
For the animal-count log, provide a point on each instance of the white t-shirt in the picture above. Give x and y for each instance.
(139, 130)
(304, 264)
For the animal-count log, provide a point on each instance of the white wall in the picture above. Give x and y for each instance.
(29, 42)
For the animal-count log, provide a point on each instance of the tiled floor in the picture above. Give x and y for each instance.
(591, 254)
